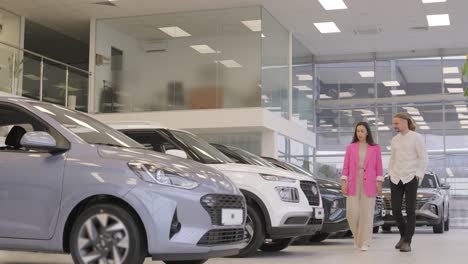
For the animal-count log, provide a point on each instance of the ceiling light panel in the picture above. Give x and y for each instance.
(455, 90)
(203, 49)
(390, 83)
(303, 88)
(438, 20)
(254, 25)
(304, 77)
(333, 4)
(175, 32)
(433, 1)
(230, 63)
(451, 70)
(367, 74)
(453, 81)
(398, 92)
(327, 27)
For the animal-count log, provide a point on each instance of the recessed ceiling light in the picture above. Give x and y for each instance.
(371, 119)
(383, 128)
(367, 74)
(304, 77)
(433, 1)
(391, 83)
(346, 95)
(254, 25)
(379, 123)
(455, 90)
(421, 123)
(263, 35)
(368, 114)
(418, 118)
(333, 4)
(424, 127)
(464, 122)
(175, 32)
(451, 70)
(324, 96)
(398, 92)
(461, 109)
(327, 27)
(310, 96)
(326, 125)
(453, 81)
(203, 49)
(464, 127)
(462, 116)
(230, 63)
(303, 88)
(438, 20)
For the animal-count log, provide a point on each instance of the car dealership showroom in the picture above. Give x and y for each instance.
(233, 131)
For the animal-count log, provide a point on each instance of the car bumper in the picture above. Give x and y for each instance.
(334, 227)
(423, 217)
(157, 210)
(310, 227)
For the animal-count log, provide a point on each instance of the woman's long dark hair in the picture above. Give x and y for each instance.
(369, 138)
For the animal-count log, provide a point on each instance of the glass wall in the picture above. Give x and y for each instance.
(10, 61)
(429, 89)
(275, 65)
(302, 85)
(191, 60)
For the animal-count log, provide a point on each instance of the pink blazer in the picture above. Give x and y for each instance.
(373, 171)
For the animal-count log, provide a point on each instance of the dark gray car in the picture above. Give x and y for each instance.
(70, 184)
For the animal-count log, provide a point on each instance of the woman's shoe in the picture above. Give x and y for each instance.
(364, 248)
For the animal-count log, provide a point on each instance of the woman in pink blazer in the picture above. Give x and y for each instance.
(361, 182)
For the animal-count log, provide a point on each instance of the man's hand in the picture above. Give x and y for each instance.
(379, 188)
(344, 187)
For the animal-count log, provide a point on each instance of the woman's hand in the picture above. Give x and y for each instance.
(379, 188)
(344, 187)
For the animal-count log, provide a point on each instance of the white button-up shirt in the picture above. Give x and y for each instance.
(409, 158)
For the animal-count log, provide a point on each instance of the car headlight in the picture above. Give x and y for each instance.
(270, 177)
(334, 207)
(288, 194)
(153, 174)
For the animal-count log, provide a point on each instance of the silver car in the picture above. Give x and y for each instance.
(69, 184)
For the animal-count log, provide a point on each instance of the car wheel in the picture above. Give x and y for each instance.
(276, 245)
(254, 233)
(317, 238)
(200, 261)
(439, 228)
(376, 229)
(106, 233)
(447, 222)
(386, 228)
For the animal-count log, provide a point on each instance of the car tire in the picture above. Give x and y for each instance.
(254, 224)
(376, 229)
(439, 228)
(276, 245)
(113, 229)
(200, 261)
(317, 238)
(386, 228)
(447, 222)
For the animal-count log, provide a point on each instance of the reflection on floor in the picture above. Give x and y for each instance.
(459, 212)
(428, 248)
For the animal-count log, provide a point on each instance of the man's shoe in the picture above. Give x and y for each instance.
(406, 247)
(398, 245)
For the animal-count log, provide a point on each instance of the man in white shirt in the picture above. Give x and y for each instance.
(406, 169)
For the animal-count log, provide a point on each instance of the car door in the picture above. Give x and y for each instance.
(30, 182)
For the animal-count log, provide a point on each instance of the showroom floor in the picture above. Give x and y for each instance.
(428, 248)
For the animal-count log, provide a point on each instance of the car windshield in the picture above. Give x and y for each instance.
(85, 127)
(202, 149)
(252, 158)
(298, 169)
(429, 182)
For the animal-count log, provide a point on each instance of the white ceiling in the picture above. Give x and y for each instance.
(394, 17)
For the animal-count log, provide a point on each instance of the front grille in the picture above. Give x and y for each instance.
(314, 221)
(215, 203)
(308, 187)
(388, 204)
(222, 236)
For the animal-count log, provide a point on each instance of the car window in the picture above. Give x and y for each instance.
(14, 123)
(88, 129)
(252, 158)
(152, 140)
(231, 154)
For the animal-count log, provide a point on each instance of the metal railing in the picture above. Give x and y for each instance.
(36, 76)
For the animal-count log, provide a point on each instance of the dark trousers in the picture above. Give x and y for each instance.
(409, 191)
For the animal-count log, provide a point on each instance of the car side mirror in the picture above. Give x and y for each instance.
(177, 152)
(39, 141)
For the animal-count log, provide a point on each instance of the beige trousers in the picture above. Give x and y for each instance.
(360, 213)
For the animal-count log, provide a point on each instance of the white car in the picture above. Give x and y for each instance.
(281, 205)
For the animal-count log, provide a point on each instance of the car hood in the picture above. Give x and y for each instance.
(196, 171)
(235, 167)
